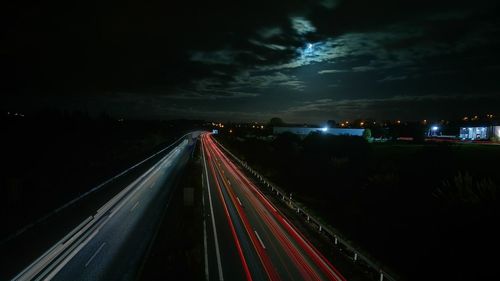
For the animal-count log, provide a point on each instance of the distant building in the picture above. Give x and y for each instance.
(480, 133)
(303, 131)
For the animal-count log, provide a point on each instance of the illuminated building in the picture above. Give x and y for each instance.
(480, 133)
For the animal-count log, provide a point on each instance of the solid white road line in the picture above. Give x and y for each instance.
(123, 200)
(217, 251)
(95, 254)
(148, 174)
(67, 259)
(148, 177)
(49, 255)
(313, 250)
(205, 242)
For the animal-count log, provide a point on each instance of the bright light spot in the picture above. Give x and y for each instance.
(324, 129)
(435, 128)
(308, 50)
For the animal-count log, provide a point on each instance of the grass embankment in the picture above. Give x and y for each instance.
(54, 157)
(419, 208)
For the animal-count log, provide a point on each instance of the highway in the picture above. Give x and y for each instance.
(246, 237)
(111, 244)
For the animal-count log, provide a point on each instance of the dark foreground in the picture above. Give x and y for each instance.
(428, 211)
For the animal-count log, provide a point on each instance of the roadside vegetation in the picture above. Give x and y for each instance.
(54, 156)
(429, 211)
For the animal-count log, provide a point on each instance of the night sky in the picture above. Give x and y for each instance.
(303, 61)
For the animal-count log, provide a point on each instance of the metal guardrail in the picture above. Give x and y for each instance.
(54, 259)
(355, 254)
(92, 190)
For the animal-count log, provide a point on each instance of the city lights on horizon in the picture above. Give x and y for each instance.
(363, 123)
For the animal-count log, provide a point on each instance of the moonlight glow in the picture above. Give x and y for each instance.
(309, 49)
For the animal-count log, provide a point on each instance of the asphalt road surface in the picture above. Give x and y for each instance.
(111, 244)
(246, 237)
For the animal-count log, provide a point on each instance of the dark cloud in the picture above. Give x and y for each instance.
(397, 107)
(250, 56)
